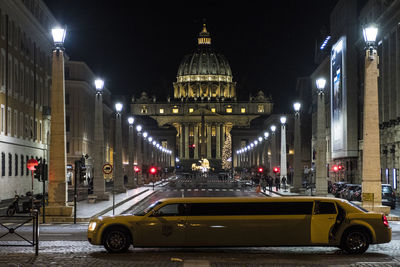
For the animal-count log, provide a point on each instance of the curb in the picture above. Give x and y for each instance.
(118, 204)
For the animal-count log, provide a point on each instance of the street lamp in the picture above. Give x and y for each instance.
(283, 150)
(297, 178)
(98, 155)
(371, 181)
(139, 128)
(321, 185)
(132, 169)
(57, 187)
(118, 184)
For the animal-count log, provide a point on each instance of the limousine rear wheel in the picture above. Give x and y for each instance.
(117, 240)
(355, 241)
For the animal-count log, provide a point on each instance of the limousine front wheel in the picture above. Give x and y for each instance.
(116, 240)
(355, 241)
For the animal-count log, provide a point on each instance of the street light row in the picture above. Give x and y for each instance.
(99, 84)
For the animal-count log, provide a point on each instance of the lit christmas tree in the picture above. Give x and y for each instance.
(227, 153)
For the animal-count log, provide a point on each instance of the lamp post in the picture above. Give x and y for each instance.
(297, 178)
(283, 150)
(131, 144)
(371, 165)
(118, 178)
(321, 184)
(98, 155)
(139, 154)
(267, 159)
(57, 188)
(273, 148)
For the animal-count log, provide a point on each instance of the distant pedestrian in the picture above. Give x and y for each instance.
(284, 182)
(277, 183)
(264, 184)
(270, 183)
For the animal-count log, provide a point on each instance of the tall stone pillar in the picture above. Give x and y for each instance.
(283, 152)
(297, 178)
(218, 141)
(187, 141)
(274, 153)
(139, 158)
(208, 141)
(98, 150)
(196, 141)
(131, 149)
(181, 156)
(321, 184)
(117, 170)
(371, 164)
(57, 189)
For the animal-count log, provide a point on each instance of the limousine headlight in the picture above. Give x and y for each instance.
(92, 226)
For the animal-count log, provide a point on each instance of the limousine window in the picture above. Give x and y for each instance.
(250, 208)
(171, 210)
(325, 208)
(146, 210)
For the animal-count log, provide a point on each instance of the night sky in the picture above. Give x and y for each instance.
(138, 47)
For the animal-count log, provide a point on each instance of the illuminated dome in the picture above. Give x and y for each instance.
(204, 73)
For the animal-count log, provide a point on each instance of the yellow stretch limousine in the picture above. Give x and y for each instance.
(211, 222)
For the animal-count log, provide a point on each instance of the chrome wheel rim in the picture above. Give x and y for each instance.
(356, 241)
(116, 240)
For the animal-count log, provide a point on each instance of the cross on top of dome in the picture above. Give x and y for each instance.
(204, 36)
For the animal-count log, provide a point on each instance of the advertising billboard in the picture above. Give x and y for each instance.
(338, 99)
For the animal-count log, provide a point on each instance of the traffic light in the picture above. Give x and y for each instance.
(276, 169)
(136, 169)
(153, 170)
(37, 173)
(260, 169)
(82, 172)
(335, 168)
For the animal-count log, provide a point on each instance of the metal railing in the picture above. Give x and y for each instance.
(13, 224)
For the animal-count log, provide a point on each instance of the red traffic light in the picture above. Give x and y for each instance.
(136, 169)
(276, 169)
(260, 169)
(335, 168)
(153, 170)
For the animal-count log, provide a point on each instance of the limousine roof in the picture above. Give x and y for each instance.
(246, 199)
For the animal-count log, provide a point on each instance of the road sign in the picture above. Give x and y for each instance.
(107, 168)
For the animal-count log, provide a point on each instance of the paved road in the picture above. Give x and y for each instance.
(66, 245)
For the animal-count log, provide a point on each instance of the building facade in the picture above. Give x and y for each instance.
(204, 108)
(80, 95)
(25, 69)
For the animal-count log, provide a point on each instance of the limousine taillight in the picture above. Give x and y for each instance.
(385, 220)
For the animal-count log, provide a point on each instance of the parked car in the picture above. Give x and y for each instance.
(388, 196)
(348, 190)
(337, 187)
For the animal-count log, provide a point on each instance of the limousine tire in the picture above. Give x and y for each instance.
(355, 241)
(116, 239)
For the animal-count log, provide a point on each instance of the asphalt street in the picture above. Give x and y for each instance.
(66, 245)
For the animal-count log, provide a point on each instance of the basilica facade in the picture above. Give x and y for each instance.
(204, 108)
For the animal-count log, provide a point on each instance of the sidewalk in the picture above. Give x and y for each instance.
(123, 201)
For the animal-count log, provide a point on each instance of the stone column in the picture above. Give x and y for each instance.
(371, 165)
(283, 152)
(187, 141)
(117, 170)
(57, 189)
(297, 178)
(196, 141)
(321, 184)
(139, 158)
(181, 156)
(98, 150)
(131, 149)
(218, 141)
(274, 153)
(208, 141)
